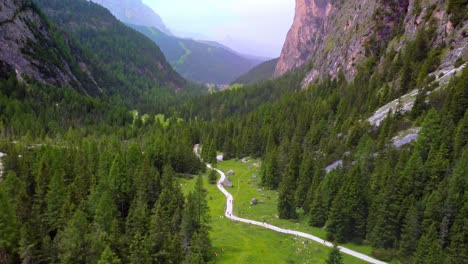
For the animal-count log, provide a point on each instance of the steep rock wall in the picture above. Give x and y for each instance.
(334, 35)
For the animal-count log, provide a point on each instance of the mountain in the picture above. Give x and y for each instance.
(122, 61)
(200, 61)
(134, 12)
(31, 47)
(258, 74)
(338, 35)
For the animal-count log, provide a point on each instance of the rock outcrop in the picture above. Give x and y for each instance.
(305, 35)
(333, 35)
(27, 45)
(134, 12)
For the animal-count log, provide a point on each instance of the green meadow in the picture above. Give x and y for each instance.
(243, 243)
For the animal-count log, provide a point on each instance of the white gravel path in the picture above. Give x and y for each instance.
(228, 213)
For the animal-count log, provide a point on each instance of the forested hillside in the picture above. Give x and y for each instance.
(86, 182)
(407, 200)
(32, 48)
(258, 74)
(379, 160)
(85, 178)
(125, 64)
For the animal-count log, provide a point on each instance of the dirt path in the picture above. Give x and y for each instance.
(228, 213)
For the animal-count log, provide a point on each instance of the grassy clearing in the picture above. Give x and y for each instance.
(250, 244)
(184, 57)
(246, 187)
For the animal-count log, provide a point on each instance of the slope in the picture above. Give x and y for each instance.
(134, 12)
(329, 36)
(124, 63)
(197, 61)
(31, 47)
(258, 74)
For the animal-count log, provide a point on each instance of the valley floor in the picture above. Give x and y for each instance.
(243, 243)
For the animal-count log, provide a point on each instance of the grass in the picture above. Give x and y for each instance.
(184, 57)
(243, 243)
(246, 187)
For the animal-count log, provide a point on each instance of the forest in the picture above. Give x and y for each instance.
(407, 202)
(100, 189)
(89, 180)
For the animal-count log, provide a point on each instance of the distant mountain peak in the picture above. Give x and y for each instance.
(134, 12)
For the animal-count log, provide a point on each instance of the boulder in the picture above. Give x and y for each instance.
(227, 183)
(254, 201)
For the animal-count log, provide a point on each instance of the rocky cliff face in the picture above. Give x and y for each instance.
(305, 35)
(27, 46)
(334, 35)
(134, 12)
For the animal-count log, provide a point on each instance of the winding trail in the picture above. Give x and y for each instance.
(228, 214)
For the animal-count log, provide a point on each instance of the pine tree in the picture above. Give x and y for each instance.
(270, 170)
(335, 256)
(7, 227)
(139, 250)
(286, 199)
(212, 177)
(410, 233)
(459, 101)
(195, 222)
(108, 257)
(200, 247)
(429, 250)
(105, 212)
(120, 185)
(461, 136)
(348, 215)
(430, 133)
(56, 199)
(74, 243)
(437, 166)
(138, 218)
(304, 181)
(166, 243)
(148, 182)
(286, 203)
(458, 235)
(318, 211)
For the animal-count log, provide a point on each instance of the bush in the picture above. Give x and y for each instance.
(459, 62)
(212, 177)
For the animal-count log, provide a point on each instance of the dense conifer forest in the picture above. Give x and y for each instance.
(95, 179)
(408, 202)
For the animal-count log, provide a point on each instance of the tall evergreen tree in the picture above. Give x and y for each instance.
(195, 223)
(120, 185)
(348, 215)
(410, 233)
(57, 200)
(166, 244)
(108, 257)
(306, 174)
(286, 202)
(271, 176)
(7, 228)
(335, 256)
(139, 250)
(74, 242)
(105, 212)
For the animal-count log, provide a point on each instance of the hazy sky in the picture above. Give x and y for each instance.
(258, 27)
